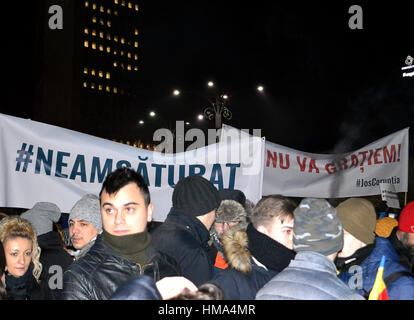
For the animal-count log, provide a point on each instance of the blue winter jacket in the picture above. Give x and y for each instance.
(400, 289)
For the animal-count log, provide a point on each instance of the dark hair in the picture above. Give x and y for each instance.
(3, 293)
(207, 291)
(123, 176)
(270, 207)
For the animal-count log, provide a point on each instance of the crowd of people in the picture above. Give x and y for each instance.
(213, 245)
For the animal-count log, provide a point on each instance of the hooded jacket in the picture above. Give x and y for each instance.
(405, 258)
(52, 254)
(253, 260)
(400, 289)
(101, 271)
(183, 237)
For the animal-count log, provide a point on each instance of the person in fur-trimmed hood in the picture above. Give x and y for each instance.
(259, 252)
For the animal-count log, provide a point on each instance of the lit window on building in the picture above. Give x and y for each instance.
(116, 1)
(122, 40)
(122, 53)
(86, 44)
(94, 6)
(135, 57)
(100, 87)
(109, 24)
(115, 64)
(92, 85)
(101, 35)
(101, 9)
(100, 47)
(100, 74)
(86, 31)
(115, 89)
(93, 72)
(85, 84)
(101, 22)
(136, 7)
(94, 19)
(108, 11)
(108, 75)
(108, 37)
(136, 32)
(129, 67)
(115, 52)
(93, 32)
(129, 55)
(123, 3)
(136, 44)
(129, 5)
(108, 89)
(116, 38)
(86, 4)
(108, 49)
(85, 70)
(136, 68)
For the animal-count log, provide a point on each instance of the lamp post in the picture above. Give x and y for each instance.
(218, 109)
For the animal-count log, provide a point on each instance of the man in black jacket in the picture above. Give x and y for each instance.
(185, 233)
(124, 249)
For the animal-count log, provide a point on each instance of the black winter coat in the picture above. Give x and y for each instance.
(98, 274)
(52, 254)
(138, 288)
(185, 238)
(24, 288)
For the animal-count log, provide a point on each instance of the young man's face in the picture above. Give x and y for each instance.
(281, 231)
(124, 212)
(351, 244)
(81, 232)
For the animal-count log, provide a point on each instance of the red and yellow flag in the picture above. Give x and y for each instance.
(379, 290)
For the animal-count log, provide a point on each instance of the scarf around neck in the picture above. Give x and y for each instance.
(132, 247)
(19, 288)
(270, 253)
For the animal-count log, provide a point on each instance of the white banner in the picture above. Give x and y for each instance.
(40, 162)
(295, 173)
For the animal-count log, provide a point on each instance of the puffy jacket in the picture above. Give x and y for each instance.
(310, 276)
(101, 271)
(400, 289)
(185, 238)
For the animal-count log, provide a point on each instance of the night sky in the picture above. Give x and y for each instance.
(327, 88)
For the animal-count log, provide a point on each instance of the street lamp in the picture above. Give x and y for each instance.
(152, 114)
(260, 89)
(176, 92)
(218, 110)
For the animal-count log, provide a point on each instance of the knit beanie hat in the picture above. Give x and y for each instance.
(236, 195)
(88, 208)
(317, 227)
(195, 195)
(42, 216)
(358, 217)
(406, 219)
(230, 211)
(385, 226)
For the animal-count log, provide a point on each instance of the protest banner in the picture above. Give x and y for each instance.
(357, 173)
(41, 162)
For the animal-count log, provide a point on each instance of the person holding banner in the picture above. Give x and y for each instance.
(125, 248)
(360, 257)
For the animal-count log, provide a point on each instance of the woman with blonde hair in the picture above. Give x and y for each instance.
(22, 254)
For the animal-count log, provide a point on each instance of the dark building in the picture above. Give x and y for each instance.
(87, 70)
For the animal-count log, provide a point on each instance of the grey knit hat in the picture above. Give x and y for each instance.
(196, 196)
(42, 216)
(88, 208)
(317, 227)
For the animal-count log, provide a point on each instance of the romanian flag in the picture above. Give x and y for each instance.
(379, 290)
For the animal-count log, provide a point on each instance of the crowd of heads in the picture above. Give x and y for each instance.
(123, 207)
